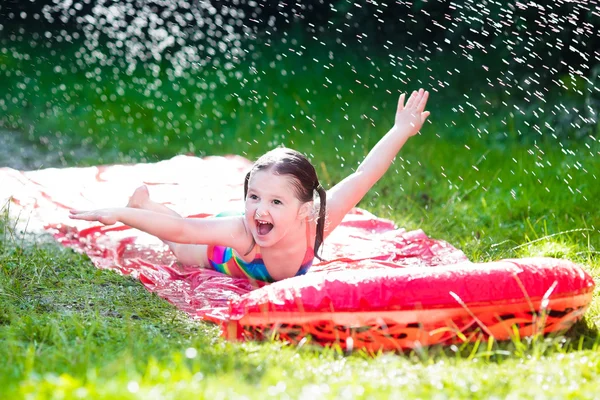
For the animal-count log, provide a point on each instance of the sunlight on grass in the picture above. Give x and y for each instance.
(560, 375)
(548, 248)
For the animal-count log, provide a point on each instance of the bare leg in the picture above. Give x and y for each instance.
(189, 254)
(141, 199)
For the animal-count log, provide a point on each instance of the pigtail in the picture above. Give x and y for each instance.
(321, 220)
(245, 193)
(246, 184)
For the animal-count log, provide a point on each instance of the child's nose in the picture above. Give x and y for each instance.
(261, 211)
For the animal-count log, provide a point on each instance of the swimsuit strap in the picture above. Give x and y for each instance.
(251, 247)
(309, 256)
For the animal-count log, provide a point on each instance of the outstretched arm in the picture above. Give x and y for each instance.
(346, 194)
(225, 231)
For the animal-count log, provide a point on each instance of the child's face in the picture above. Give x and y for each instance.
(272, 208)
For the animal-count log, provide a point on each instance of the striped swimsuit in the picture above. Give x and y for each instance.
(223, 259)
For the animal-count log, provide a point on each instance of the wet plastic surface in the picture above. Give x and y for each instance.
(371, 266)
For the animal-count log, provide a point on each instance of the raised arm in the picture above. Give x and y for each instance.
(347, 193)
(225, 231)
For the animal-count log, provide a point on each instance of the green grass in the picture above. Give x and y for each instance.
(71, 330)
(68, 330)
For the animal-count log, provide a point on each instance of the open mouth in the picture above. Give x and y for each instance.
(263, 227)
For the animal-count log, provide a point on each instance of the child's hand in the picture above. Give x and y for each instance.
(107, 216)
(410, 117)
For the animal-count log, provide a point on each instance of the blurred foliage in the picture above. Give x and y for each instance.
(542, 58)
(569, 29)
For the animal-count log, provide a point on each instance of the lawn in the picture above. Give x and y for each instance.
(69, 330)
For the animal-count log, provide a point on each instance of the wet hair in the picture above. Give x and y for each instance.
(284, 161)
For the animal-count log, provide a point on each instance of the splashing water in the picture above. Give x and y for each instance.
(236, 71)
(189, 35)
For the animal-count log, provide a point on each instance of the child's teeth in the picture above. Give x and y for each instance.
(263, 224)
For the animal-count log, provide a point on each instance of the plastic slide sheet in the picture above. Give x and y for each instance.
(196, 187)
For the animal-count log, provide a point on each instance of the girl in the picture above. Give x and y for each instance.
(275, 238)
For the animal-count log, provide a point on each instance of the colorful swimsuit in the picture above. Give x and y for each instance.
(224, 260)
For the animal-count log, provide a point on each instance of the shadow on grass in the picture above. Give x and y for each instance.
(583, 335)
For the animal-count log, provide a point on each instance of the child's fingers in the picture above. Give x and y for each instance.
(423, 100)
(85, 215)
(424, 115)
(416, 98)
(77, 213)
(401, 102)
(411, 99)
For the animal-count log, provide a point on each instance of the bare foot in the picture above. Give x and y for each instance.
(139, 197)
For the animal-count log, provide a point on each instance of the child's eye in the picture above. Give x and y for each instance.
(253, 197)
(278, 202)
